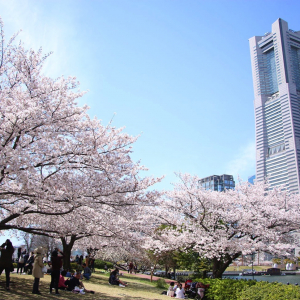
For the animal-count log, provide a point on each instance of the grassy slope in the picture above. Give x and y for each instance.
(138, 289)
(241, 268)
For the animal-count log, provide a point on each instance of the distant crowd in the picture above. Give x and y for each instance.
(37, 264)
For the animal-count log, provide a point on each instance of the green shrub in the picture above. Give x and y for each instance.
(15, 265)
(231, 289)
(181, 278)
(225, 289)
(99, 264)
(73, 266)
(160, 283)
(270, 291)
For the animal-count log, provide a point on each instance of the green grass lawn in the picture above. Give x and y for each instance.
(137, 289)
(241, 268)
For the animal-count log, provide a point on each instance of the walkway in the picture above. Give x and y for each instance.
(154, 278)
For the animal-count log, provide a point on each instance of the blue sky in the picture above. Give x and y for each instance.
(176, 72)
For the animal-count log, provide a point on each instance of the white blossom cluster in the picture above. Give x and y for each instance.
(222, 226)
(62, 173)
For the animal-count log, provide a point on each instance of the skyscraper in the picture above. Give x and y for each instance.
(275, 59)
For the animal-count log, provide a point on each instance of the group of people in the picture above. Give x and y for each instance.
(36, 263)
(73, 283)
(131, 268)
(88, 261)
(178, 291)
(24, 262)
(57, 276)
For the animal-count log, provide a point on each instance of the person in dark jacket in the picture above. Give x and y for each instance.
(56, 261)
(29, 264)
(86, 272)
(7, 251)
(114, 280)
(75, 281)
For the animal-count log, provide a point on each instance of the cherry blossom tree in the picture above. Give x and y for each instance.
(101, 228)
(221, 226)
(56, 163)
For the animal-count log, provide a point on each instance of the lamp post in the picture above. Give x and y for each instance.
(152, 268)
(252, 265)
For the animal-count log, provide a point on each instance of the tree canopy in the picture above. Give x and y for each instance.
(221, 226)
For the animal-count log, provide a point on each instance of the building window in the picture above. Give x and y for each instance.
(276, 149)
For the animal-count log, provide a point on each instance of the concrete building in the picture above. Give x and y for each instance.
(275, 59)
(218, 183)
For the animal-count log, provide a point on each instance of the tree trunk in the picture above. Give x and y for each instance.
(166, 270)
(67, 250)
(220, 265)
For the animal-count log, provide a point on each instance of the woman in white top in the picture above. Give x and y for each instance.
(170, 291)
(180, 292)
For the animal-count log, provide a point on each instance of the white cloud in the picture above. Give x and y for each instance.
(39, 29)
(243, 164)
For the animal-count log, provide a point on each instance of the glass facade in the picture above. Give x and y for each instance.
(267, 73)
(217, 183)
(270, 72)
(296, 66)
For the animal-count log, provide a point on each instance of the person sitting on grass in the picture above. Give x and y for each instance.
(74, 282)
(180, 292)
(79, 272)
(68, 273)
(187, 284)
(201, 287)
(114, 280)
(61, 282)
(86, 272)
(49, 268)
(105, 268)
(171, 291)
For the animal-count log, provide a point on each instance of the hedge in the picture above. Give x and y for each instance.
(99, 264)
(270, 291)
(225, 289)
(232, 289)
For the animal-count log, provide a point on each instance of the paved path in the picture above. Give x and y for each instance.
(154, 278)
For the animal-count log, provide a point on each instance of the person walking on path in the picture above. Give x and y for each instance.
(37, 269)
(7, 251)
(56, 265)
(131, 267)
(21, 260)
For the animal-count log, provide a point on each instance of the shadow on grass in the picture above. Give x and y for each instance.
(134, 284)
(21, 289)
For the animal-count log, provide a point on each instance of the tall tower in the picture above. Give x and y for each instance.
(275, 59)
